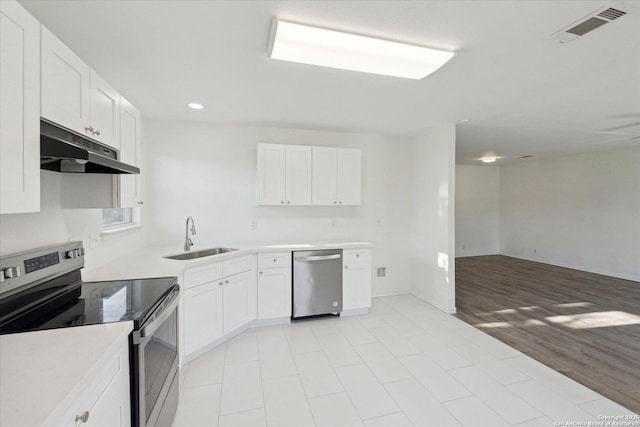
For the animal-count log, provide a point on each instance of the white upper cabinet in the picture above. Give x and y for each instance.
(284, 174)
(87, 191)
(19, 110)
(104, 112)
(271, 174)
(130, 153)
(298, 175)
(304, 175)
(65, 85)
(349, 180)
(325, 176)
(74, 96)
(336, 176)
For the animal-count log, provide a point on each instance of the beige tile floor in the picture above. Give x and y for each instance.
(406, 363)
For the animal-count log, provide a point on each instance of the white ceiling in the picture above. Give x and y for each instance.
(522, 93)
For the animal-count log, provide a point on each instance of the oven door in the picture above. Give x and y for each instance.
(154, 367)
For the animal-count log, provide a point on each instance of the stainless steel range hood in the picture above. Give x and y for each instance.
(63, 150)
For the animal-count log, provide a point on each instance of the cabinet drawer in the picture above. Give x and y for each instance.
(202, 274)
(274, 260)
(357, 256)
(236, 265)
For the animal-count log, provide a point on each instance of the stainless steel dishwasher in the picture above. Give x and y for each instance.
(317, 282)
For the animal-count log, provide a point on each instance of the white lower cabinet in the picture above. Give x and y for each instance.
(218, 299)
(356, 280)
(222, 298)
(235, 297)
(274, 285)
(202, 316)
(103, 399)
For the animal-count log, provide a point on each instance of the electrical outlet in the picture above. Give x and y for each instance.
(381, 272)
(334, 222)
(535, 250)
(464, 246)
(95, 240)
(254, 225)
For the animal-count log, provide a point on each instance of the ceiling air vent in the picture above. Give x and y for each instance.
(588, 23)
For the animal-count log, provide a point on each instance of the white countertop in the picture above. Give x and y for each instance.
(38, 370)
(150, 262)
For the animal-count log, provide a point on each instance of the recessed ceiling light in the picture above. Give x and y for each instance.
(327, 48)
(196, 106)
(489, 159)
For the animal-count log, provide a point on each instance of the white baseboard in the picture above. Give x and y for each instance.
(354, 312)
(192, 356)
(259, 323)
(580, 268)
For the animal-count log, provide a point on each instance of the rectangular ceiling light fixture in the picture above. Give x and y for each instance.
(327, 48)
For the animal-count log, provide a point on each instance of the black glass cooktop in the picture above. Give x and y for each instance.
(76, 303)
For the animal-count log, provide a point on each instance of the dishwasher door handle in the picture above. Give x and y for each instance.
(318, 257)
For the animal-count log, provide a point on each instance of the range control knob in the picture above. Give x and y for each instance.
(71, 254)
(80, 251)
(11, 272)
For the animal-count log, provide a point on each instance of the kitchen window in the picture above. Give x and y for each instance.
(120, 219)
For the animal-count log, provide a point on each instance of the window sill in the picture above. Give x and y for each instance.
(108, 233)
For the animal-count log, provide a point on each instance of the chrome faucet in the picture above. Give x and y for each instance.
(187, 241)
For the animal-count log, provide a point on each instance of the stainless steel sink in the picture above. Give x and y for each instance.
(200, 254)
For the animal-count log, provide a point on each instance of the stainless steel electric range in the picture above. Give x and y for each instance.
(43, 289)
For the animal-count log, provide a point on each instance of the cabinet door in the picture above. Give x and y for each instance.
(271, 174)
(349, 176)
(130, 153)
(298, 175)
(105, 112)
(103, 397)
(325, 164)
(356, 286)
(235, 296)
(19, 110)
(113, 407)
(65, 85)
(112, 410)
(202, 316)
(274, 293)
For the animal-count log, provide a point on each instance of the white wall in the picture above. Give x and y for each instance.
(580, 211)
(432, 217)
(53, 225)
(477, 210)
(209, 172)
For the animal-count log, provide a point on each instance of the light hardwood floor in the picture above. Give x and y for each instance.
(583, 325)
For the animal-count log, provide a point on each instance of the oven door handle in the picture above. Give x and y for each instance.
(149, 329)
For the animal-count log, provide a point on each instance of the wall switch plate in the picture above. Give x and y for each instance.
(381, 272)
